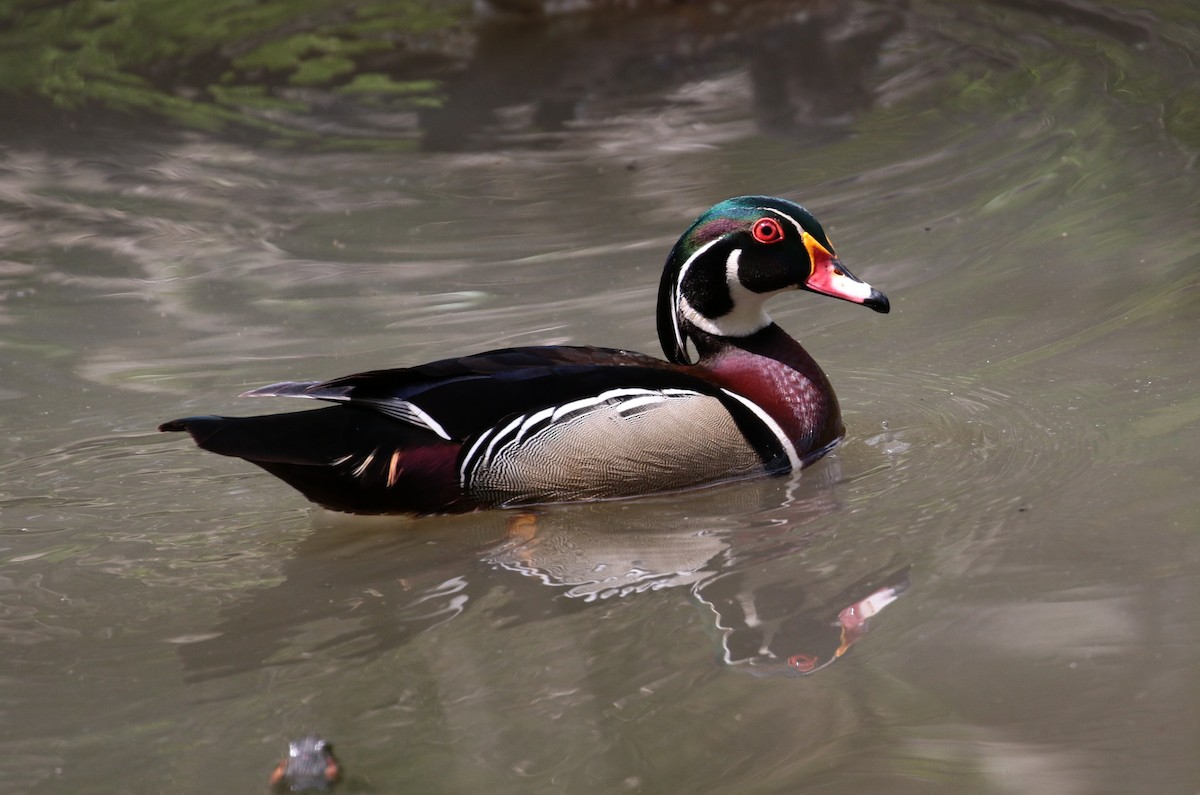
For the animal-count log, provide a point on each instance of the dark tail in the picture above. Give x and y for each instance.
(343, 458)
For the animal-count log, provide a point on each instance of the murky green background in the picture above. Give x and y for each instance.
(195, 201)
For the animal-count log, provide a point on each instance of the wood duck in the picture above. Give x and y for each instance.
(530, 425)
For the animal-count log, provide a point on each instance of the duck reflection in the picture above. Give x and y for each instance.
(768, 622)
(748, 555)
(771, 628)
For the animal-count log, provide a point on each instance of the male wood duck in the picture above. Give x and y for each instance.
(529, 425)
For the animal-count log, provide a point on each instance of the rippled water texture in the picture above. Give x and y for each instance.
(1013, 513)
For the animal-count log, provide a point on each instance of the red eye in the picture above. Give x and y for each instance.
(767, 230)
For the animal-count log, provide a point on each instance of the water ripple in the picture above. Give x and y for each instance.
(961, 440)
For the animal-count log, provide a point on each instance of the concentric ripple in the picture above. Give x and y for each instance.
(960, 439)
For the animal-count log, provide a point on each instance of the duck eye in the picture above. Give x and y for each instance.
(767, 230)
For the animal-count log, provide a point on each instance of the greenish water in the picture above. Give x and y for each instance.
(1020, 179)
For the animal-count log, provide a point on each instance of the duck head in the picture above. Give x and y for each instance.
(736, 256)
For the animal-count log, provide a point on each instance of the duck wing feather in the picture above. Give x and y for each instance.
(458, 398)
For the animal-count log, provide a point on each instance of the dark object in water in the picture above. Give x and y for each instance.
(309, 766)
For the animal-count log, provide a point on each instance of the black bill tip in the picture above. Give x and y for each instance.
(878, 301)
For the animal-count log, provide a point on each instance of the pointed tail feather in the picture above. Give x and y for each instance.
(340, 457)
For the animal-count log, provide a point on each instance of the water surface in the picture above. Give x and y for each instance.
(1020, 465)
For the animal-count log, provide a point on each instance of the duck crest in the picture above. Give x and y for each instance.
(729, 262)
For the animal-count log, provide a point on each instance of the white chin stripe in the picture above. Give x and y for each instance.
(747, 315)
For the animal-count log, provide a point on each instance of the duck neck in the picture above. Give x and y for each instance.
(773, 370)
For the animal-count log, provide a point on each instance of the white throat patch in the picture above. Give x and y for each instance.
(748, 315)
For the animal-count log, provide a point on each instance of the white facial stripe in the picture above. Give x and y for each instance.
(731, 268)
(748, 314)
(773, 426)
(678, 299)
(688, 263)
(698, 320)
(784, 215)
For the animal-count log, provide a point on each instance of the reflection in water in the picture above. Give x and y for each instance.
(770, 628)
(768, 620)
(399, 73)
(383, 582)
(531, 79)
